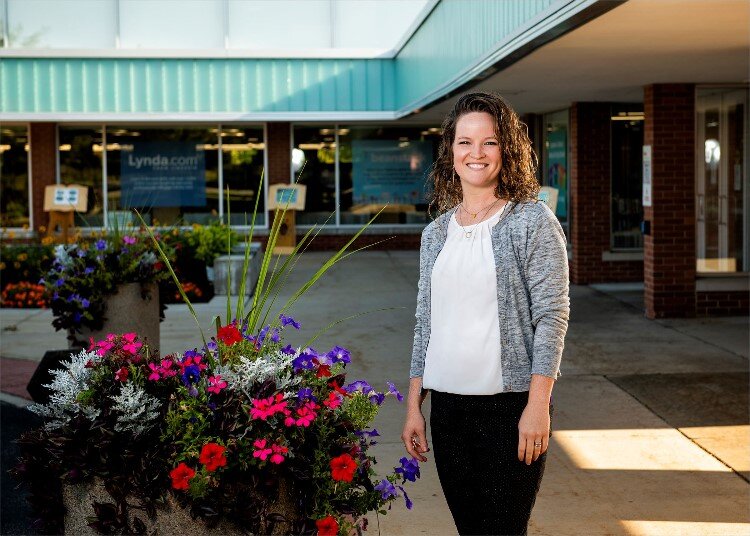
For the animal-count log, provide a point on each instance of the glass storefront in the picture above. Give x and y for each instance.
(555, 162)
(14, 176)
(80, 163)
(365, 168)
(243, 160)
(626, 127)
(722, 180)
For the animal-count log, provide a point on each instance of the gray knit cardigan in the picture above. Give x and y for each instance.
(532, 292)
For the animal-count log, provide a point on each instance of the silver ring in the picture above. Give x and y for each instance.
(538, 445)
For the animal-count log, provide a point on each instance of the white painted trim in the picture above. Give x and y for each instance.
(535, 27)
(218, 53)
(412, 29)
(224, 117)
(726, 283)
(620, 256)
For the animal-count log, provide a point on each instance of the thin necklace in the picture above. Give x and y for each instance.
(474, 215)
(467, 234)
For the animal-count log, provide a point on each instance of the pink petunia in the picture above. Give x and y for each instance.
(260, 449)
(305, 415)
(132, 347)
(267, 407)
(278, 454)
(155, 372)
(216, 384)
(129, 337)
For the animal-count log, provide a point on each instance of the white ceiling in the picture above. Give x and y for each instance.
(612, 57)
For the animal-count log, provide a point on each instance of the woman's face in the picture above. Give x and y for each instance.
(476, 151)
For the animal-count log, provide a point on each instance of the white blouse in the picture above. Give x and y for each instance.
(463, 354)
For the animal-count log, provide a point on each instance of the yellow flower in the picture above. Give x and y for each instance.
(23, 257)
(16, 264)
(175, 232)
(25, 226)
(42, 229)
(2, 266)
(47, 240)
(11, 234)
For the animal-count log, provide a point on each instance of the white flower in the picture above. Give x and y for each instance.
(137, 410)
(67, 384)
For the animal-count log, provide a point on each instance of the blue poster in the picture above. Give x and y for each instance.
(390, 171)
(163, 174)
(557, 169)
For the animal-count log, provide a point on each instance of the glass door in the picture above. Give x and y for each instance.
(721, 180)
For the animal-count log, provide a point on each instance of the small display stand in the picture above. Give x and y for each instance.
(62, 202)
(292, 198)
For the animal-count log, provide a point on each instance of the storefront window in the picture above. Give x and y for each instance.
(80, 156)
(385, 167)
(627, 176)
(314, 163)
(242, 163)
(170, 175)
(14, 176)
(722, 180)
(555, 161)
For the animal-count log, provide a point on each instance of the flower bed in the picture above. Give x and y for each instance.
(246, 429)
(23, 295)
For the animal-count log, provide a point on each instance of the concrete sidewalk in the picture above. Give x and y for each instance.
(651, 429)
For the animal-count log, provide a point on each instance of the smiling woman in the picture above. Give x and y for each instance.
(493, 269)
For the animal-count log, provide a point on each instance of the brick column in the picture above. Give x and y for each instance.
(590, 191)
(669, 251)
(279, 153)
(43, 147)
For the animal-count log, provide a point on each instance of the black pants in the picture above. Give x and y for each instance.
(475, 444)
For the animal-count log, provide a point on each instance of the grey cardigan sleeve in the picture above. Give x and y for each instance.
(419, 349)
(547, 278)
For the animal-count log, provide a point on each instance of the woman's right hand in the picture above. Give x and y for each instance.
(414, 435)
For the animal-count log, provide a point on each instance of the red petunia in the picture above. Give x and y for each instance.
(343, 468)
(181, 476)
(328, 526)
(212, 456)
(229, 335)
(324, 371)
(121, 375)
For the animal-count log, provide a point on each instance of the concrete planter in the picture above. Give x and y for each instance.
(128, 311)
(171, 518)
(233, 264)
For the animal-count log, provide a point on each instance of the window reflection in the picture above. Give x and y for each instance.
(80, 156)
(14, 176)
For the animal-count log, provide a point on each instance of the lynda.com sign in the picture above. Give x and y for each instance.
(163, 174)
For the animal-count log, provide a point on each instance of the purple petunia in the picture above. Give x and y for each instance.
(85, 303)
(306, 394)
(306, 360)
(395, 392)
(77, 317)
(288, 350)
(101, 244)
(387, 489)
(88, 270)
(81, 253)
(288, 321)
(275, 336)
(60, 282)
(367, 433)
(359, 385)
(409, 469)
(263, 333)
(41, 281)
(377, 398)
(407, 500)
(339, 355)
(191, 375)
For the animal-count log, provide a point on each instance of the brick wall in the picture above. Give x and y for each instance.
(279, 153)
(42, 140)
(735, 303)
(669, 251)
(590, 198)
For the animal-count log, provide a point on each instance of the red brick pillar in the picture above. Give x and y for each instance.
(43, 147)
(279, 153)
(590, 191)
(669, 251)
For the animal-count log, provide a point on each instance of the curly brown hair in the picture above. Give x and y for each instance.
(519, 162)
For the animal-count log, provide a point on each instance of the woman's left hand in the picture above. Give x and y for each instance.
(533, 432)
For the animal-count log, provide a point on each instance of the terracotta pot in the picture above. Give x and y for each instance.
(127, 311)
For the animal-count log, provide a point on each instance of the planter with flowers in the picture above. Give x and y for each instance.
(107, 285)
(246, 434)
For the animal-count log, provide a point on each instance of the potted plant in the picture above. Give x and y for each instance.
(210, 241)
(104, 285)
(246, 434)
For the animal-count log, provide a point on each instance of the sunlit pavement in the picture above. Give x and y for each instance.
(651, 431)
